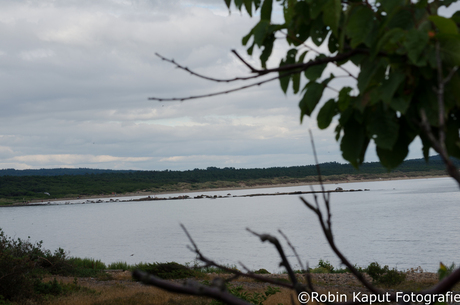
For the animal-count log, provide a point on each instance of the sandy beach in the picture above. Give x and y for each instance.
(242, 186)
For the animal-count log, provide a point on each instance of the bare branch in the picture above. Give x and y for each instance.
(293, 249)
(446, 284)
(440, 93)
(439, 144)
(284, 261)
(317, 52)
(207, 77)
(289, 69)
(212, 94)
(330, 239)
(253, 70)
(209, 262)
(190, 288)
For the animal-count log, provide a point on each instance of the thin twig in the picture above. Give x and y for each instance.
(218, 80)
(293, 249)
(289, 69)
(190, 288)
(209, 262)
(284, 261)
(317, 52)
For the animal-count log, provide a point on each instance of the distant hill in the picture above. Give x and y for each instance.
(58, 171)
(44, 184)
(433, 161)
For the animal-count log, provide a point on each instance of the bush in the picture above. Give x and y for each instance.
(253, 298)
(16, 281)
(384, 275)
(444, 271)
(262, 271)
(23, 262)
(170, 270)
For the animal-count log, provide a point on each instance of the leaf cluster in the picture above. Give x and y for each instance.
(407, 85)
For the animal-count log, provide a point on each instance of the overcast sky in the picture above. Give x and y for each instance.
(75, 77)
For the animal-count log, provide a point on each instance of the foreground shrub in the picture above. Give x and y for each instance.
(444, 271)
(23, 262)
(384, 275)
(253, 298)
(170, 270)
(16, 281)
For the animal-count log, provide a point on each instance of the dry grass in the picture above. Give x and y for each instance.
(122, 290)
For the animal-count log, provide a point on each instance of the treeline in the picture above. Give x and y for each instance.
(66, 182)
(58, 171)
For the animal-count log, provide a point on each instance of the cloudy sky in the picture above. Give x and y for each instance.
(76, 76)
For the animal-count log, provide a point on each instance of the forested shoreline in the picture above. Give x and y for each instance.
(14, 186)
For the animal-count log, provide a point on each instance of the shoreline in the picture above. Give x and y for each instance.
(242, 186)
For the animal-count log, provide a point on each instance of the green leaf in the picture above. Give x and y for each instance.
(452, 138)
(416, 42)
(383, 127)
(369, 70)
(344, 98)
(390, 5)
(288, 11)
(390, 85)
(450, 48)
(228, 2)
(400, 104)
(331, 15)
(267, 51)
(290, 59)
(313, 93)
(354, 143)
(333, 44)
(456, 17)
(318, 31)
(296, 76)
(246, 38)
(315, 72)
(239, 4)
(444, 25)
(260, 31)
(316, 7)
(310, 99)
(359, 24)
(391, 158)
(266, 10)
(402, 19)
(387, 41)
(248, 6)
(327, 112)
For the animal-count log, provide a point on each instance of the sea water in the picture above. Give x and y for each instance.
(400, 223)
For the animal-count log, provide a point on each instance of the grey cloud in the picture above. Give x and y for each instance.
(76, 76)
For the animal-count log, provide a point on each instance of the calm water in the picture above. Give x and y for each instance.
(403, 224)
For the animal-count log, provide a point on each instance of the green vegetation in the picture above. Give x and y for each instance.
(170, 270)
(25, 188)
(384, 275)
(401, 49)
(444, 271)
(380, 275)
(23, 264)
(253, 298)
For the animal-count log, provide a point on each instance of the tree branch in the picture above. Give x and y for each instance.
(284, 261)
(207, 77)
(439, 144)
(289, 69)
(209, 262)
(190, 288)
